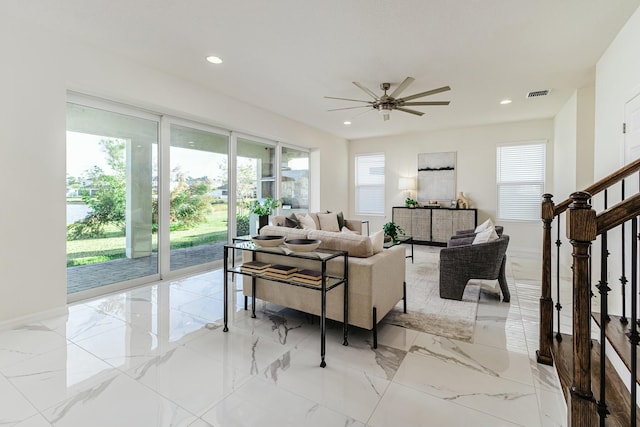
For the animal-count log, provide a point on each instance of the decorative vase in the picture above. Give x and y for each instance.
(262, 221)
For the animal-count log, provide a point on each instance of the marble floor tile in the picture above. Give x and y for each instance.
(156, 355)
(24, 342)
(260, 402)
(14, 408)
(337, 387)
(404, 406)
(118, 401)
(49, 378)
(513, 401)
(193, 381)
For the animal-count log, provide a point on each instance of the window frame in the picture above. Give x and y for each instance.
(357, 186)
(541, 182)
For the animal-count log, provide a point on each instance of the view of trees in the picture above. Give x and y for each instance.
(105, 195)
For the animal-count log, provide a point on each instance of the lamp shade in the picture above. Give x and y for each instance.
(406, 183)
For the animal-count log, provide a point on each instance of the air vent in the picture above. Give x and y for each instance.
(537, 93)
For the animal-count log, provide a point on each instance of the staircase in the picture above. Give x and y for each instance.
(596, 392)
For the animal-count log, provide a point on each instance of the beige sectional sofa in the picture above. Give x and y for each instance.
(376, 280)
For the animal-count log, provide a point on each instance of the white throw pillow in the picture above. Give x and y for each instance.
(485, 236)
(307, 222)
(484, 226)
(345, 230)
(329, 221)
(377, 241)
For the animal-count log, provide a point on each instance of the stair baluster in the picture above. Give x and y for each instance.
(604, 318)
(633, 333)
(558, 305)
(623, 278)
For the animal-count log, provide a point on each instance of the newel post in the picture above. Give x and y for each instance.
(581, 231)
(546, 303)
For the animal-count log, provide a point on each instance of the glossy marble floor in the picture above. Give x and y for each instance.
(157, 356)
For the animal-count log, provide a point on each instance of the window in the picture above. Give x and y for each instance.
(520, 179)
(370, 184)
(294, 180)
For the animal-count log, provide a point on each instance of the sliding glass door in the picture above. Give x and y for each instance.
(111, 194)
(198, 198)
(255, 180)
(294, 180)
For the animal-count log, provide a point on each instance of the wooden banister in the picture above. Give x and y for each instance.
(603, 184)
(618, 214)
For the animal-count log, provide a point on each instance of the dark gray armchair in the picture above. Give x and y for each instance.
(459, 264)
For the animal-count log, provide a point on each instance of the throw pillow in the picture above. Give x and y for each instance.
(307, 222)
(345, 230)
(485, 236)
(328, 221)
(484, 226)
(340, 220)
(377, 241)
(292, 222)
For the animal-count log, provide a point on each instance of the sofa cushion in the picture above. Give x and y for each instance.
(289, 233)
(292, 222)
(307, 222)
(354, 244)
(484, 226)
(377, 241)
(485, 236)
(329, 222)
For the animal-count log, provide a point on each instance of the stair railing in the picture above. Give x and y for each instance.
(583, 226)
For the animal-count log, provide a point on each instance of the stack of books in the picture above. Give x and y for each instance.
(309, 277)
(254, 267)
(280, 271)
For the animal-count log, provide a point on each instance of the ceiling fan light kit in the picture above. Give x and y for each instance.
(386, 103)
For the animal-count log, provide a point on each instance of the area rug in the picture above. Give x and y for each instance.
(426, 311)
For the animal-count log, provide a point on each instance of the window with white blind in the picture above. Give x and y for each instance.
(370, 184)
(520, 179)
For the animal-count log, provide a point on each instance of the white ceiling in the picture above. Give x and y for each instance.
(286, 55)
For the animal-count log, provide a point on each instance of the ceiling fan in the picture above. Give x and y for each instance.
(385, 103)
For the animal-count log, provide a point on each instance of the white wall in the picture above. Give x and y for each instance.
(38, 69)
(564, 149)
(617, 82)
(476, 168)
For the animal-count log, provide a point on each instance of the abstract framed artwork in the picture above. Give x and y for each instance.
(437, 177)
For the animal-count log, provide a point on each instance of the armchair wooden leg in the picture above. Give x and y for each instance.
(502, 280)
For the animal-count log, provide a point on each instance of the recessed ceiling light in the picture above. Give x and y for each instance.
(347, 123)
(214, 59)
(505, 101)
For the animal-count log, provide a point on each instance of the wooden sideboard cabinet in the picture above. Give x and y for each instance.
(433, 225)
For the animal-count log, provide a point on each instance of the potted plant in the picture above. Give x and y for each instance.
(410, 203)
(392, 231)
(263, 209)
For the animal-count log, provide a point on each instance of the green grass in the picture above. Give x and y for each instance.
(112, 246)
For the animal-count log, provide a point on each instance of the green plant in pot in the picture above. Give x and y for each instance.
(264, 209)
(410, 203)
(392, 231)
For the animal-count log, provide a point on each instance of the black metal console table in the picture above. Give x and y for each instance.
(328, 282)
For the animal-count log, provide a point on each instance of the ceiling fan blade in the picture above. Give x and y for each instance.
(360, 114)
(427, 103)
(406, 110)
(402, 87)
(349, 108)
(429, 92)
(369, 92)
(347, 99)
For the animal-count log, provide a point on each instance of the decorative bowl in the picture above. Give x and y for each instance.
(268, 241)
(302, 245)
